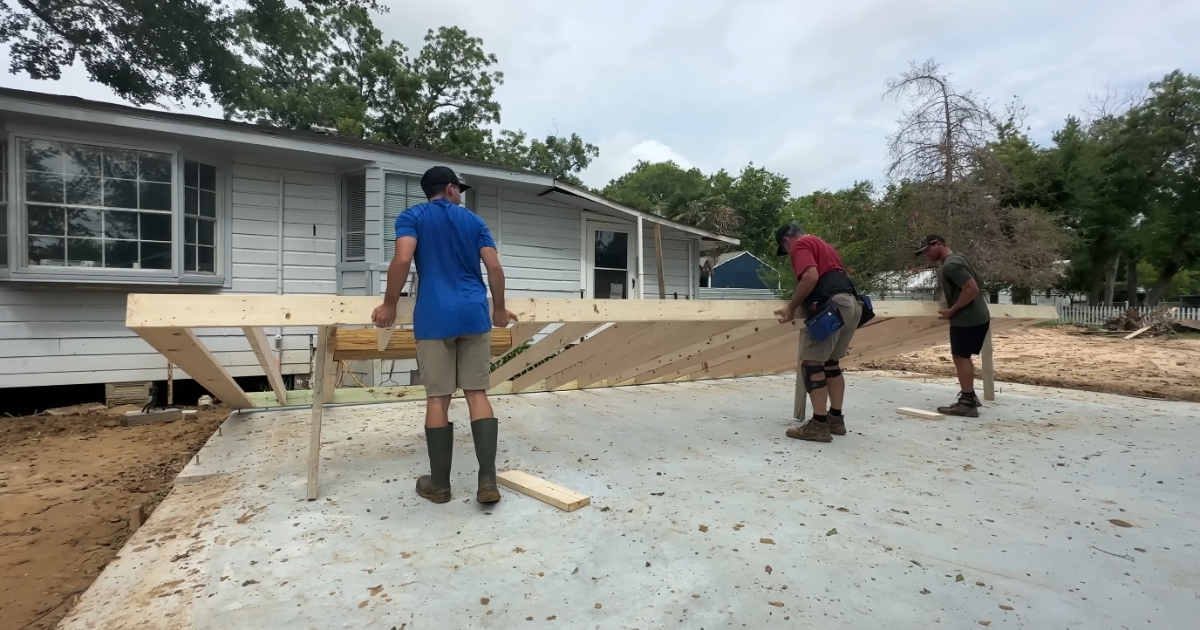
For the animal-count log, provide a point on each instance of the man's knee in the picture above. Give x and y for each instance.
(814, 376)
(833, 369)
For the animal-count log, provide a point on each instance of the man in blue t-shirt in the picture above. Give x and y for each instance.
(451, 323)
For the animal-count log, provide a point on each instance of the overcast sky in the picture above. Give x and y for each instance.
(793, 86)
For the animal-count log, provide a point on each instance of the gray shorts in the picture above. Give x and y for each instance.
(835, 346)
(447, 365)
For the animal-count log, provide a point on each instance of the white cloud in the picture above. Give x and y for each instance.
(795, 87)
(622, 152)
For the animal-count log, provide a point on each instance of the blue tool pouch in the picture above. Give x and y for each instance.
(824, 322)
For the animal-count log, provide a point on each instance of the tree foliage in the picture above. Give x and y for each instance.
(144, 50)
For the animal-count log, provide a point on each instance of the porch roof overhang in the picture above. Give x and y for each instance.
(568, 193)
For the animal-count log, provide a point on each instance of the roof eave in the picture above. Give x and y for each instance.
(576, 191)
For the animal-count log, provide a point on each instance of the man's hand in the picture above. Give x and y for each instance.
(502, 317)
(384, 315)
(946, 313)
(786, 314)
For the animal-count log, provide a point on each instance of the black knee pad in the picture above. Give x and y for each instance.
(832, 369)
(809, 372)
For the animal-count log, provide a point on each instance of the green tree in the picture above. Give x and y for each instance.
(146, 51)
(1169, 121)
(332, 69)
(758, 196)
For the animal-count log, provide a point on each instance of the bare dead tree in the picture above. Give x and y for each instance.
(941, 134)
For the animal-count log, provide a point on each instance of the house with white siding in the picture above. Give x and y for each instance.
(99, 200)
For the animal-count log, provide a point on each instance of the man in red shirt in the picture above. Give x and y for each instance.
(822, 281)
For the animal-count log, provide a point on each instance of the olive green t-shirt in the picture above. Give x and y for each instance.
(956, 271)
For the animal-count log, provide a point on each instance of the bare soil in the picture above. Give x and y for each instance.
(68, 486)
(1064, 356)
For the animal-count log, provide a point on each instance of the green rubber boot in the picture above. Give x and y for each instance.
(440, 443)
(486, 431)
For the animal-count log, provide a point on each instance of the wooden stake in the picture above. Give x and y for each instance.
(989, 381)
(170, 383)
(320, 385)
(800, 401)
(658, 253)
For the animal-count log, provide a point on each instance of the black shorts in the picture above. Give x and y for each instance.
(967, 340)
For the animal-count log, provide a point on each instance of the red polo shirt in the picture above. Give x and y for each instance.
(810, 251)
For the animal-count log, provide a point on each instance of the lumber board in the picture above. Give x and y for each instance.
(522, 333)
(1137, 332)
(359, 344)
(239, 310)
(321, 384)
(738, 330)
(331, 381)
(763, 354)
(920, 413)
(383, 337)
(363, 395)
(770, 334)
(262, 350)
(550, 344)
(558, 370)
(648, 346)
(542, 490)
(989, 373)
(184, 349)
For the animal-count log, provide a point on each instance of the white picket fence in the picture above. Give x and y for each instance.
(1098, 315)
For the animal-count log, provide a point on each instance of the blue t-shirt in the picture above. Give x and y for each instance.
(451, 296)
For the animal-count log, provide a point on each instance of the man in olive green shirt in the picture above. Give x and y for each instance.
(968, 315)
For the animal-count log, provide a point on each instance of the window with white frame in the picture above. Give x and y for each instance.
(199, 217)
(96, 206)
(400, 192)
(3, 203)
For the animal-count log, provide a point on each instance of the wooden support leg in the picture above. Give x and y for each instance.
(800, 404)
(321, 384)
(989, 384)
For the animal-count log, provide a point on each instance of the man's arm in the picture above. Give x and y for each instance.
(384, 315)
(808, 281)
(970, 290)
(491, 261)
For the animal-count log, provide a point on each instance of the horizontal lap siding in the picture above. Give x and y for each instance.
(56, 337)
(676, 262)
(540, 247)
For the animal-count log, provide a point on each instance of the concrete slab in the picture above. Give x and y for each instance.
(703, 515)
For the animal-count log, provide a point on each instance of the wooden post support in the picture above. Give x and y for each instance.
(170, 383)
(266, 360)
(658, 254)
(989, 381)
(321, 384)
(800, 399)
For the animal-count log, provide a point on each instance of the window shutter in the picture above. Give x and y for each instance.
(355, 228)
(399, 194)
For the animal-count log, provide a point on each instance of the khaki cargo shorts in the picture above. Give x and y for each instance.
(835, 346)
(446, 365)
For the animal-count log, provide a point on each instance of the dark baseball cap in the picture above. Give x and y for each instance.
(927, 241)
(439, 175)
(782, 232)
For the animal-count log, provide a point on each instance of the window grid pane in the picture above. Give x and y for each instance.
(92, 206)
(200, 217)
(3, 203)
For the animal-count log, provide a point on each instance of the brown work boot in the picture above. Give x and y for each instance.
(440, 444)
(837, 425)
(812, 431)
(967, 406)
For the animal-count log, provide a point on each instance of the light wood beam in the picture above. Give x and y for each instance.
(646, 347)
(550, 344)
(680, 368)
(181, 347)
(262, 350)
(358, 344)
(321, 386)
(560, 370)
(736, 331)
(663, 352)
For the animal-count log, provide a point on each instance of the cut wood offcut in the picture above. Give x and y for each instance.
(920, 413)
(595, 343)
(543, 490)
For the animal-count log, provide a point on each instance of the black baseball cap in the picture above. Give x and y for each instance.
(439, 175)
(781, 233)
(927, 241)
